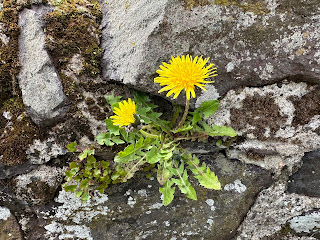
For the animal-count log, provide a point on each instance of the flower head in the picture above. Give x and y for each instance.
(124, 113)
(184, 73)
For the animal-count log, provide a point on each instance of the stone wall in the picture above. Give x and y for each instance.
(59, 58)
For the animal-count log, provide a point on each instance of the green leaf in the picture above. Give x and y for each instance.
(70, 188)
(71, 147)
(105, 164)
(112, 100)
(205, 176)
(224, 131)
(208, 108)
(85, 196)
(196, 118)
(168, 192)
(183, 129)
(114, 130)
(118, 141)
(91, 160)
(83, 154)
(133, 151)
(219, 143)
(84, 183)
(142, 99)
(163, 172)
(219, 131)
(104, 138)
(184, 185)
(153, 156)
(79, 193)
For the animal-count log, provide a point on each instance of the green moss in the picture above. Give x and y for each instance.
(195, 3)
(255, 6)
(17, 133)
(73, 28)
(9, 67)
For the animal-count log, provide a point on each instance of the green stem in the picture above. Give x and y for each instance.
(148, 134)
(184, 114)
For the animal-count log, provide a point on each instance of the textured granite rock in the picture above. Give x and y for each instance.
(39, 185)
(134, 210)
(40, 85)
(251, 43)
(279, 122)
(306, 180)
(9, 227)
(268, 217)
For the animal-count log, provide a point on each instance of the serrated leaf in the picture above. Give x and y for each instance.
(112, 100)
(168, 192)
(104, 138)
(114, 130)
(153, 156)
(185, 186)
(209, 180)
(142, 99)
(133, 151)
(183, 129)
(205, 176)
(208, 108)
(163, 172)
(73, 165)
(71, 147)
(118, 141)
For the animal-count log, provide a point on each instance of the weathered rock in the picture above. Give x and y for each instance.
(9, 227)
(273, 208)
(252, 44)
(134, 210)
(38, 186)
(307, 224)
(40, 85)
(270, 120)
(306, 180)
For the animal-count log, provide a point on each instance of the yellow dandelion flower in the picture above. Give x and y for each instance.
(184, 73)
(124, 113)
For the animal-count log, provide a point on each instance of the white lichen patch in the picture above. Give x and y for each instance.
(59, 231)
(131, 201)
(51, 176)
(210, 202)
(41, 152)
(78, 212)
(306, 223)
(272, 209)
(236, 186)
(156, 206)
(4, 213)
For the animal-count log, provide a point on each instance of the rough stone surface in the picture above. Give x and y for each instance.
(40, 85)
(38, 186)
(266, 117)
(306, 180)
(271, 211)
(134, 210)
(252, 44)
(9, 227)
